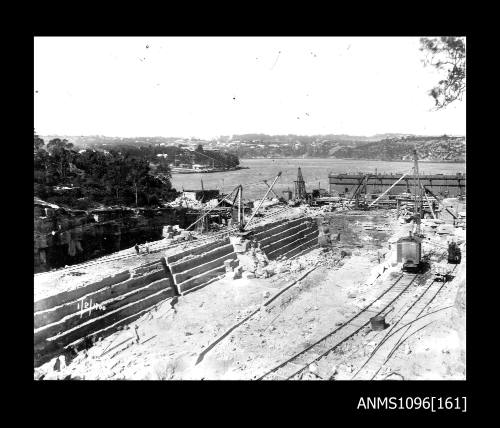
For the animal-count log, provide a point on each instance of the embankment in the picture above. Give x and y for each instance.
(198, 266)
(66, 237)
(76, 316)
(287, 238)
(80, 315)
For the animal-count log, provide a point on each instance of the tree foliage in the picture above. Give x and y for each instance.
(446, 54)
(80, 180)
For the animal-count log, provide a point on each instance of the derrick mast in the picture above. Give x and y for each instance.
(300, 186)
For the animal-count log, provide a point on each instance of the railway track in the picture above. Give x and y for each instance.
(393, 337)
(296, 364)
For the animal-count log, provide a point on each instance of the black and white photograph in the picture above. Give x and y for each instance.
(249, 208)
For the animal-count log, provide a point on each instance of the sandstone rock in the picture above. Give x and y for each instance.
(241, 247)
(261, 273)
(345, 253)
(282, 269)
(324, 240)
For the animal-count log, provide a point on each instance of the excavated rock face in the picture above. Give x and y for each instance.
(64, 237)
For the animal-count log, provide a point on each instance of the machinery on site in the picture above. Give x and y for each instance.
(300, 187)
(356, 196)
(454, 253)
(409, 252)
(409, 248)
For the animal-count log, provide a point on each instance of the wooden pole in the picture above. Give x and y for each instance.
(274, 193)
(240, 213)
(262, 200)
(376, 200)
(429, 202)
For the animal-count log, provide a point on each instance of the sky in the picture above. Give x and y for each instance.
(204, 87)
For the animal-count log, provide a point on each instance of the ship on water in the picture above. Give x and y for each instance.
(201, 169)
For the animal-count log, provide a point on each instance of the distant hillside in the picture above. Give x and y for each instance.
(88, 141)
(430, 149)
(340, 146)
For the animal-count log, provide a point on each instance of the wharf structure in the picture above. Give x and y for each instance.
(440, 184)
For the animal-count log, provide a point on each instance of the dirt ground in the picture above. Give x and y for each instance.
(166, 343)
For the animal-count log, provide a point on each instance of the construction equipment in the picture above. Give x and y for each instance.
(396, 182)
(454, 253)
(262, 201)
(300, 186)
(274, 193)
(226, 198)
(409, 252)
(428, 202)
(416, 190)
(357, 192)
(439, 201)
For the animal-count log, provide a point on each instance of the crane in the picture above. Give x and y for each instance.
(358, 190)
(262, 200)
(274, 193)
(416, 190)
(439, 201)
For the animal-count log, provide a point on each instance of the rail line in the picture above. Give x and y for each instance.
(371, 362)
(300, 361)
(414, 312)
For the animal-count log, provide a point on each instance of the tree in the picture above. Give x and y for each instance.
(115, 174)
(62, 154)
(40, 162)
(164, 169)
(446, 54)
(137, 170)
(38, 142)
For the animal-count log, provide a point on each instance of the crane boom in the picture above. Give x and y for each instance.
(439, 201)
(396, 182)
(262, 200)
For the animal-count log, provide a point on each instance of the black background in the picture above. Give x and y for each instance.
(230, 402)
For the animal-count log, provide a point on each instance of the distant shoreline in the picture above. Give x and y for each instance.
(356, 159)
(211, 171)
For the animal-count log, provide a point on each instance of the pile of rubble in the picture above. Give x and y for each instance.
(184, 202)
(176, 234)
(253, 261)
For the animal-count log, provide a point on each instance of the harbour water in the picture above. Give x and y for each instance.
(314, 171)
